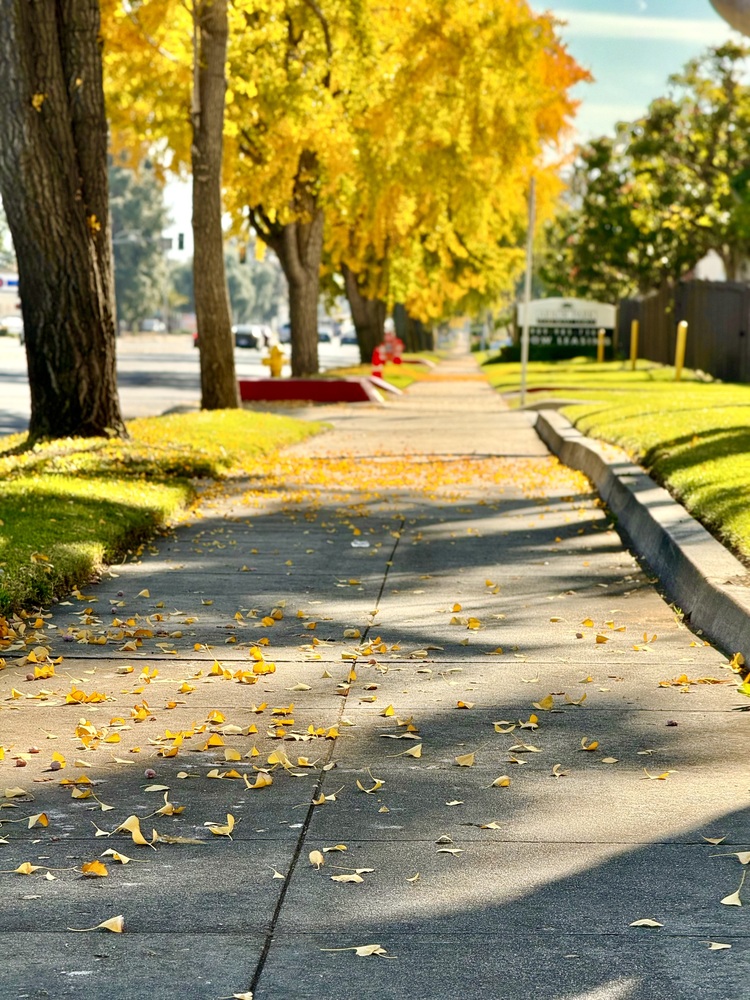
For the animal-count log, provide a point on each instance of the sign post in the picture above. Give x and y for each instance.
(527, 290)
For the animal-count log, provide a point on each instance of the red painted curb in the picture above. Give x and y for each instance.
(315, 390)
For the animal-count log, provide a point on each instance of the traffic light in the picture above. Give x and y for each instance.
(180, 241)
(242, 253)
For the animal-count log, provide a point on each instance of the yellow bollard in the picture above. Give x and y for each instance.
(600, 346)
(634, 328)
(679, 354)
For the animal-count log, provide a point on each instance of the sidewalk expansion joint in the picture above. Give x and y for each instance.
(318, 791)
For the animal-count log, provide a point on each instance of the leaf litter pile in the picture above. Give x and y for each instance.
(142, 728)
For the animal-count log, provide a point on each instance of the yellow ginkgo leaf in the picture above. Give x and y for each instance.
(465, 760)
(94, 869)
(26, 868)
(363, 950)
(734, 898)
(115, 924)
(502, 782)
(545, 704)
(646, 922)
(132, 826)
(317, 858)
(263, 780)
(17, 793)
(123, 859)
(574, 701)
(411, 752)
(222, 829)
(375, 788)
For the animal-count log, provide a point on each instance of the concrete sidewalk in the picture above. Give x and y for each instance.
(428, 580)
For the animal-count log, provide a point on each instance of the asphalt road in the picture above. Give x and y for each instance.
(155, 372)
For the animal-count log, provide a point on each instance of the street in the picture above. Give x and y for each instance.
(156, 372)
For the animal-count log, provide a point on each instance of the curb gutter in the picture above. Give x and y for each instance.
(699, 575)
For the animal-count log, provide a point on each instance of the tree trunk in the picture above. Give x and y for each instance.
(218, 380)
(53, 181)
(730, 258)
(415, 335)
(368, 316)
(299, 247)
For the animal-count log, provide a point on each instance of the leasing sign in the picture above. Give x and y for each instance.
(568, 324)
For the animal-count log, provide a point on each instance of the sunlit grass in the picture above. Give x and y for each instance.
(68, 507)
(693, 436)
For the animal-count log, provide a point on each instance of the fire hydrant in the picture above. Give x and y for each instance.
(379, 358)
(275, 361)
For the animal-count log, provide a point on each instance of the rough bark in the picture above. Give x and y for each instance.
(53, 181)
(301, 266)
(219, 388)
(368, 316)
(299, 247)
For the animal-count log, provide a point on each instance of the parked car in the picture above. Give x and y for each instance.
(348, 340)
(12, 326)
(326, 334)
(252, 335)
(153, 325)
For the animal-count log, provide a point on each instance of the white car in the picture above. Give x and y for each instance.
(12, 326)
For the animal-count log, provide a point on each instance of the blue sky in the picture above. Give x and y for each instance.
(631, 47)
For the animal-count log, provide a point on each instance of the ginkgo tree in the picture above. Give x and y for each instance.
(166, 73)
(399, 138)
(402, 139)
(468, 97)
(291, 80)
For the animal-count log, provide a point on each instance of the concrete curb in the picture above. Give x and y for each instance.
(698, 574)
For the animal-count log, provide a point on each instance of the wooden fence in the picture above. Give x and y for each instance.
(718, 317)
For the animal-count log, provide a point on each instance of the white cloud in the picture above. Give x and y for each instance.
(673, 29)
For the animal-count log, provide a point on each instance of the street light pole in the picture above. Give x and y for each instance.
(527, 290)
(736, 12)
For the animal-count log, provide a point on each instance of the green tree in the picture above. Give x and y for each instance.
(645, 206)
(598, 247)
(139, 217)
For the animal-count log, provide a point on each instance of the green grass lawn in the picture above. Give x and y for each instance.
(401, 376)
(68, 507)
(692, 436)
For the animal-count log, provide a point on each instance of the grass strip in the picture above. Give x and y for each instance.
(69, 507)
(401, 376)
(693, 437)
